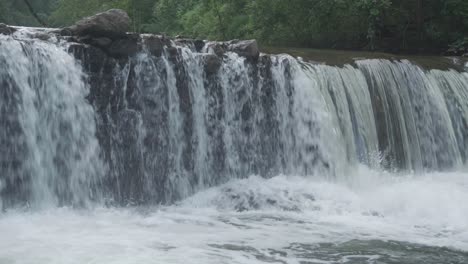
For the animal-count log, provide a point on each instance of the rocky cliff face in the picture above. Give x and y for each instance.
(142, 87)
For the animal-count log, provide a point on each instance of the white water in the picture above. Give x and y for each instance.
(426, 209)
(309, 120)
(47, 124)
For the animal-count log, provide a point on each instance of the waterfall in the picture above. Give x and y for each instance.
(415, 112)
(156, 129)
(50, 155)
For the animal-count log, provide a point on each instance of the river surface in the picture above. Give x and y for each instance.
(376, 218)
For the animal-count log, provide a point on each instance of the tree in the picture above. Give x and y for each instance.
(34, 14)
(395, 25)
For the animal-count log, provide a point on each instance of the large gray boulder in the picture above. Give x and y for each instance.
(112, 23)
(245, 48)
(212, 63)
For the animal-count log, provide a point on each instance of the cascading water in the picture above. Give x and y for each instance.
(335, 149)
(285, 116)
(50, 155)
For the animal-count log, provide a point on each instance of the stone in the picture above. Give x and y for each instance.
(113, 23)
(101, 42)
(217, 48)
(245, 48)
(196, 43)
(42, 36)
(65, 32)
(6, 30)
(154, 45)
(199, 44)
(125, 47)
(172, 52)
(212, 63)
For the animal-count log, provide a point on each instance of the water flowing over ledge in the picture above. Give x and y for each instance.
(154, 120)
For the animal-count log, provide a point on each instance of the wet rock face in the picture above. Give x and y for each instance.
(101, 42)
(154, 45)
(245, 48)
(124, 47)
(134, 103)
(142, 90)
(112, 23)
(212, 63)
(6, 30)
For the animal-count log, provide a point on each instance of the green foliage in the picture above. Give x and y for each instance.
(393, 25)
(69, 11)
(375, 10)
(15, 12)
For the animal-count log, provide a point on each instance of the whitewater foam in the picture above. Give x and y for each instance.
(253, 220)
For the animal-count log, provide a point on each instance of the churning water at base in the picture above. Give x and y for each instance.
(171, 146)
(377, 218)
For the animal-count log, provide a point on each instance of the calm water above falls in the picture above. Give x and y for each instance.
(363, 163)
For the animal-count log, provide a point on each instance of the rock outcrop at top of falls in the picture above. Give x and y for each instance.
(6, 30)
(112, 23)
(108, 32)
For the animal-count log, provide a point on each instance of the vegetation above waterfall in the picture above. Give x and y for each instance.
(416, 26)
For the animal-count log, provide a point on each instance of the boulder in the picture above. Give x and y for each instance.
(245, 48)
(112, 23)
(41, 36)
(172, 52)
(212, 63)
(196, 43)
(199, 44)
(218, 48)
(101, 42)
(6, 30)
(154, 45)
(124, 47)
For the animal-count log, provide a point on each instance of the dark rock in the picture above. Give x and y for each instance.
(101, 42)
(112, 23)
(128, 123)
(212, 63)
(85, 39)
(199, 44)
(65, 32)
(41, 36)
(81, 39)
(6, 30)
(218, 48)
(154, 45)
(245, 48)
(92, 57)
(196, 43)
(123, 47)
(172, 52)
